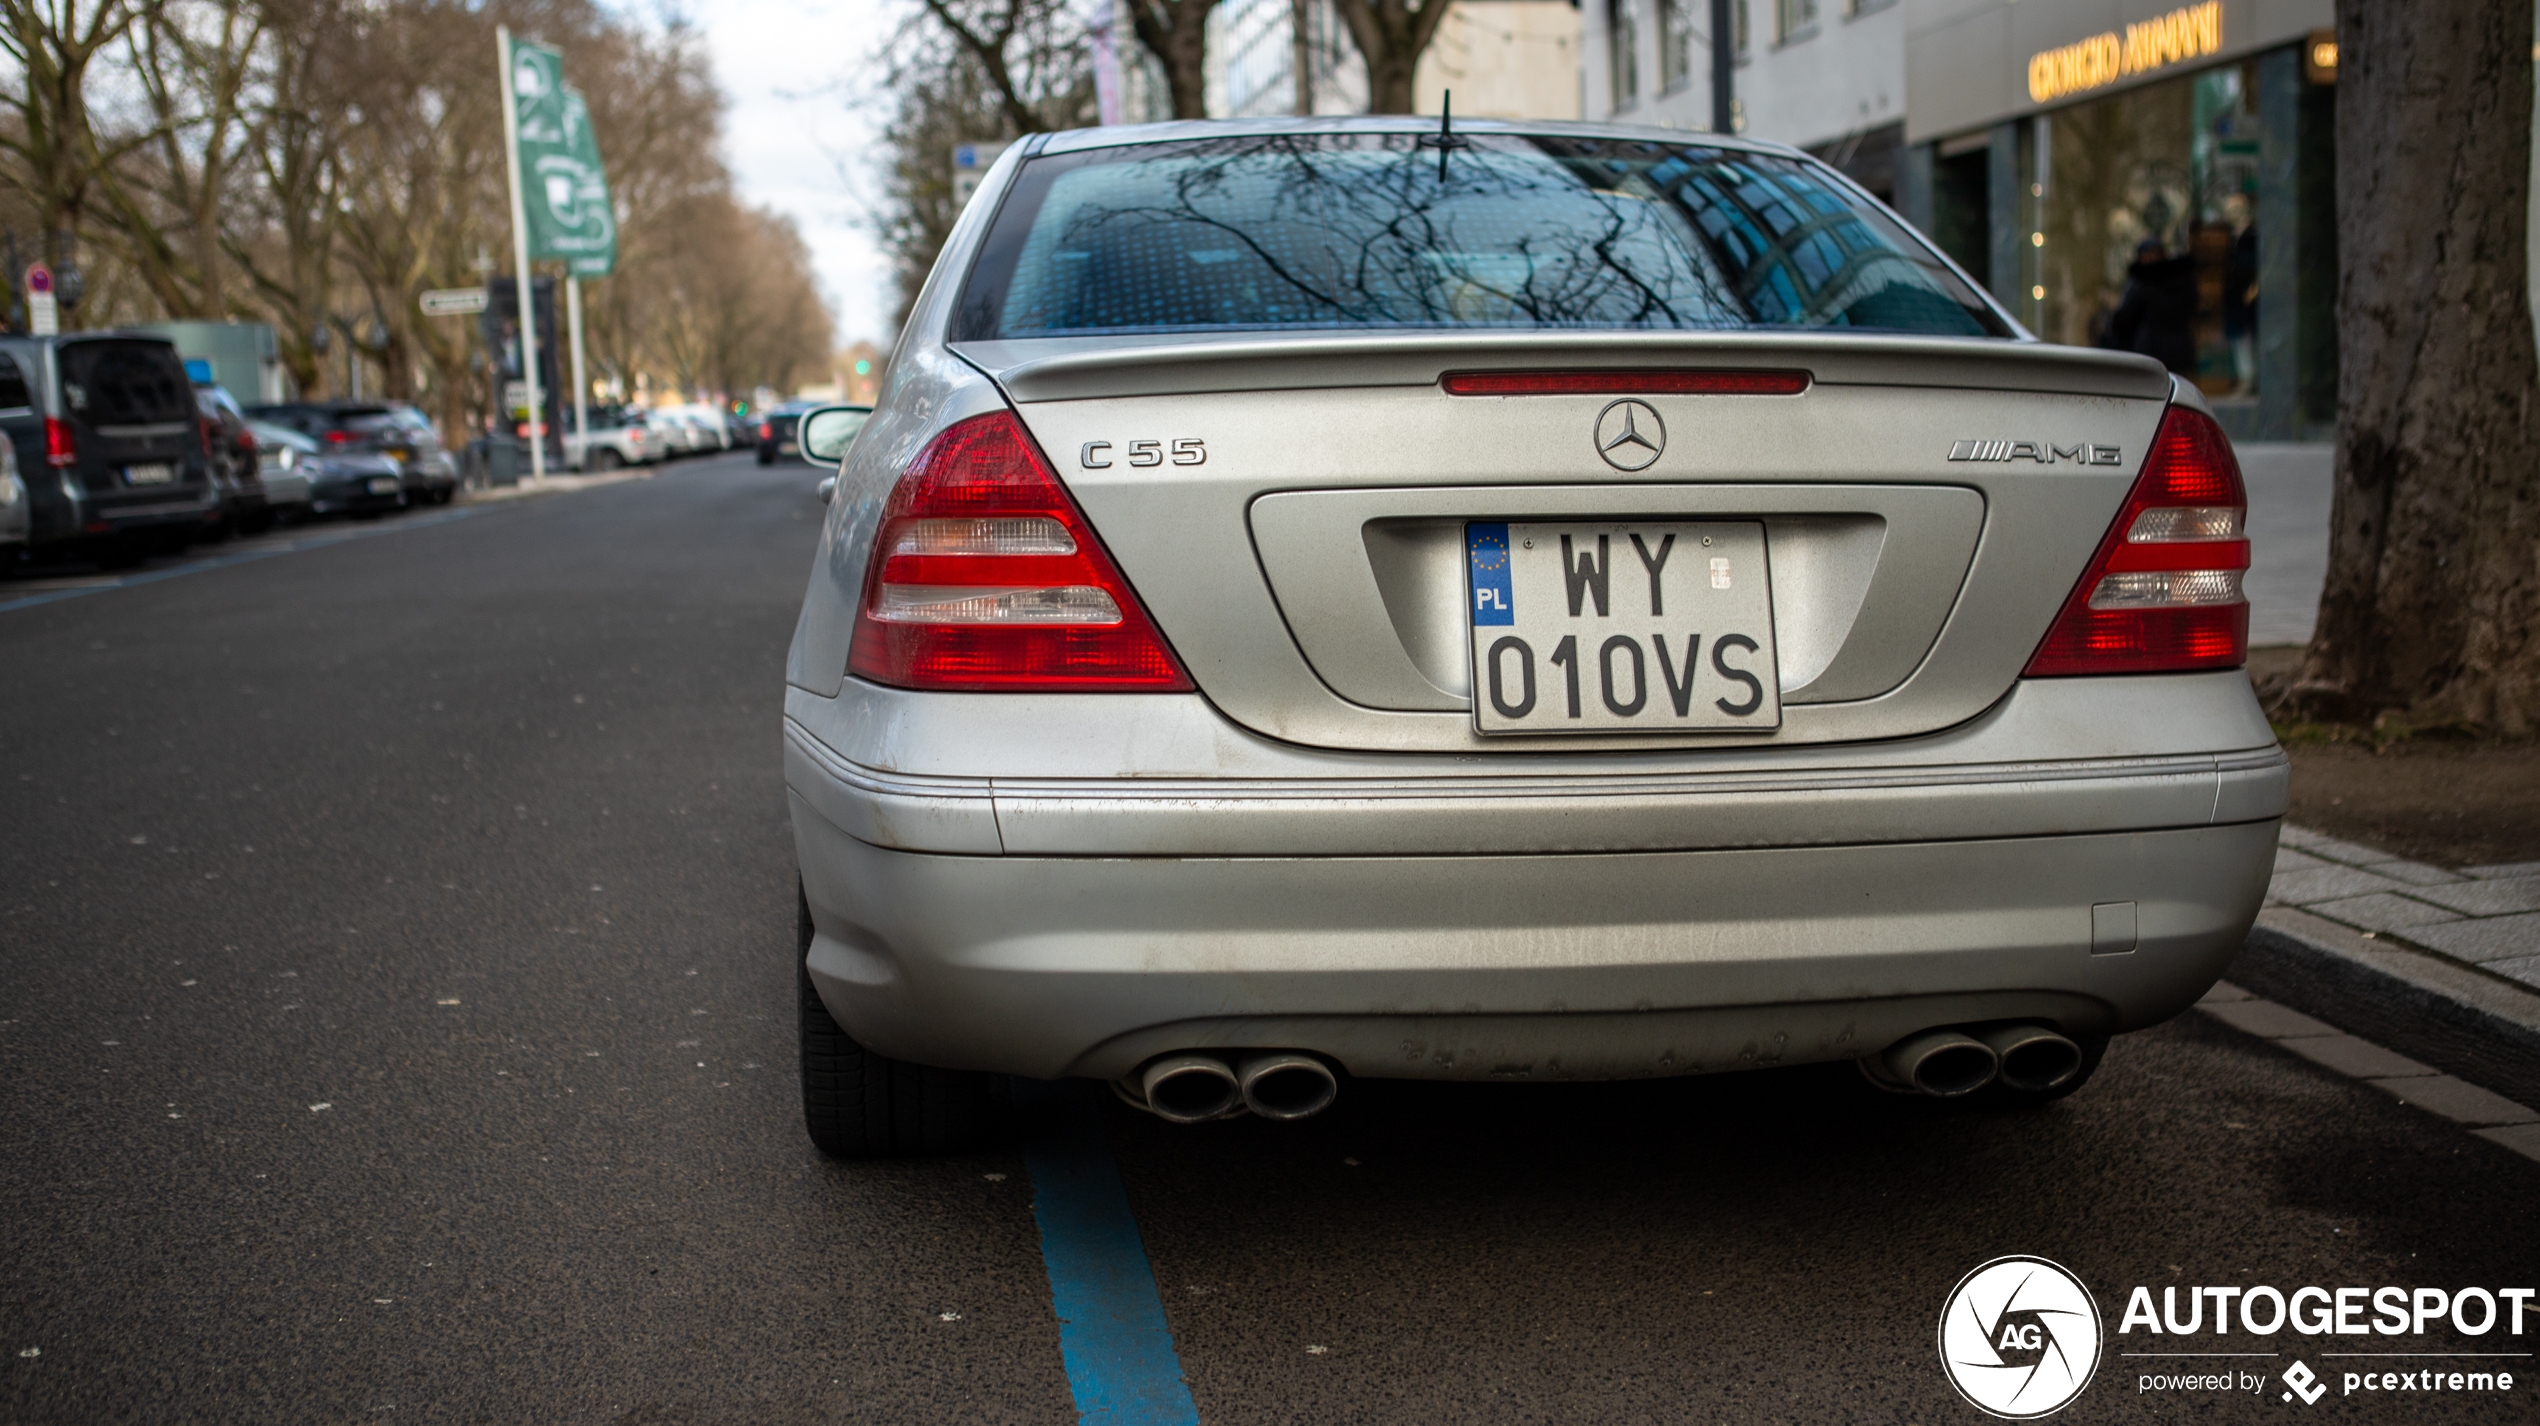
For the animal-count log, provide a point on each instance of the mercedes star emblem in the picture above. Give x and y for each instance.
(1629, 434)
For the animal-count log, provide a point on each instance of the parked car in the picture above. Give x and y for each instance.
(616, 439)
(739, 429)
(13, 508)
(305, 479)
(391, 428)
(677, 435)
(695, 430)
(231, 450)
(109, 444)
(280, 452)
(1586, 603)
(776, 430)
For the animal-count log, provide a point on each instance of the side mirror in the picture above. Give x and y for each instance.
(828, 489)
(828, 430)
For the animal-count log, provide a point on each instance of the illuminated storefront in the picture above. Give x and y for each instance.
(2142, 174)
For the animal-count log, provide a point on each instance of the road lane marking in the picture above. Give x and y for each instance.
(316, 542)
(1111, 1329)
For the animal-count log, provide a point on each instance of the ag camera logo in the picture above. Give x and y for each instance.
(2019, 1338)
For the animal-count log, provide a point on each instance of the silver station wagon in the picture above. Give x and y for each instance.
(1341, 598)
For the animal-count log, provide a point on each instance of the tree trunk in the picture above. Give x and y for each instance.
(2432, 606)
(1176, 33)
(1391, 35)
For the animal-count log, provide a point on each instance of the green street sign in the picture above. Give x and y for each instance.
(564, 189)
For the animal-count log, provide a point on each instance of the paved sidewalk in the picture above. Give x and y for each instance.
(2486, 916)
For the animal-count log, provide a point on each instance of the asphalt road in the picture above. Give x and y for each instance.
(395, 1026)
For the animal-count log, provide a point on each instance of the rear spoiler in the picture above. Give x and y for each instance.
(1079, 368)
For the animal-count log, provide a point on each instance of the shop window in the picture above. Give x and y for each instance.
(1675, 57)
(1794, 20)
(2146, 236)
(1622, 35)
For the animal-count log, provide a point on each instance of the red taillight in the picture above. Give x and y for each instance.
(766, 432)
(210, 432)
(1624, 383)
(61, 447)
(2163, 592)
(339, 438)
(985, 577)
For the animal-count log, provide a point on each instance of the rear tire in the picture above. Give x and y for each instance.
(604, 460)
(860, 1105)
(1998, 1095)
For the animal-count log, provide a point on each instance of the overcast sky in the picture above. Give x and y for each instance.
(803, 100)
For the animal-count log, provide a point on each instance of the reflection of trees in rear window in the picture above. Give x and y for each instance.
(1324, 231)
(124, 384)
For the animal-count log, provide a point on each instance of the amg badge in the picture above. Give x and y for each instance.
(2042, 452)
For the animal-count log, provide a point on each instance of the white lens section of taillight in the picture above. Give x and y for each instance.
(1017, 535)
(2167, 589)
(963, 604)
(2186, 524)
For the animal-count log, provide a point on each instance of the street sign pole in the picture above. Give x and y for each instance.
(520, 272)
(581, 388)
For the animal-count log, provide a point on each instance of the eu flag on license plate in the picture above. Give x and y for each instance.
(1487, 547)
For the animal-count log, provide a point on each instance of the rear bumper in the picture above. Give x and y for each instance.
(190, 510)
(1592, 916)
(1517, 967)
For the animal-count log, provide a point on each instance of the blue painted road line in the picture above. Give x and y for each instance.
(1119, 1352)
(242, 557)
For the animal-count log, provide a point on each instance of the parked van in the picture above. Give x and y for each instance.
(109, 443)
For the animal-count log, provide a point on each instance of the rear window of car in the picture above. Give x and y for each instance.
(269, 434)
(1342, 231)
(125, 384)
(364, 421)
(14, 395)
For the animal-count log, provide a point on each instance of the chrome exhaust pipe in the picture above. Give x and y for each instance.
(1187, 1089)
(2033, 1058)
(1285, 1085)
(1941, 1063)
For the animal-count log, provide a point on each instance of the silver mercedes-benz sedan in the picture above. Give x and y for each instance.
(1331, 598)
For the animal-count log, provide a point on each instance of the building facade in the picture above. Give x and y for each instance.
(1824, 75)
(1505, 59)
(2142, 174)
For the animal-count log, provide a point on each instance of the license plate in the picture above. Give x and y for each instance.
(153, 474)
(785, 447)
(1621, 626)
(383, 485)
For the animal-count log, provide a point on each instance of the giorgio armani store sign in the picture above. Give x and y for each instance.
(2142, 175)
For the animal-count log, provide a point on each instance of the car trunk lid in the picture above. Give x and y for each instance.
(1926, 504)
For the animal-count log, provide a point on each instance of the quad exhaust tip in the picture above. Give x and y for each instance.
(1286, 1085)
(1941, 1063)
(1193, 1087)
(1948, 1063)
(1187, 1089)
(2034, 1058)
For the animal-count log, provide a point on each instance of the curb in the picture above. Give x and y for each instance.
(2470, 1025)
